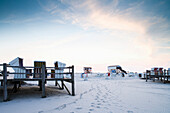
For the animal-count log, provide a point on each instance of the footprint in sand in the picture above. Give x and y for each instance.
(91, 109)
(61, 107)
(97, 106)
(98, 100)
(92, 105)
(106, 108)
(79, 108)
(109, 104)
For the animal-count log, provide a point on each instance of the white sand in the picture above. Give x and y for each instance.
(97, 95)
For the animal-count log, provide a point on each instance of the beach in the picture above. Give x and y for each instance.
(96, 95)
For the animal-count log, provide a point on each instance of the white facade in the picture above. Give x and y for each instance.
(59, 65)
(18, 62)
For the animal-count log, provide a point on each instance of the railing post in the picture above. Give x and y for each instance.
(43, 81)
(5, 97)
(72, 77)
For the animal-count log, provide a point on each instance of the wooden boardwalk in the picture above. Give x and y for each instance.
(41, 80)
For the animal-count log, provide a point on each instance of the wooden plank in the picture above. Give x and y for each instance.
(5, 92)
(62, 84)
(58, 85)
(66, 89)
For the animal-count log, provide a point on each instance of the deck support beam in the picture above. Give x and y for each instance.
(62, 84)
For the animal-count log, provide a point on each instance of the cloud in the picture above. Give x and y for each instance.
(58, 21)
(16, 21)
(48, 5)
(135, 33)
(91, 14)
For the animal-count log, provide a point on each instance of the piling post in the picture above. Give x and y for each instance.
(72, 77)
(164, 75)
(56, 83)
(40, 84)
(43, 81)
(5, 92)
(146, 76)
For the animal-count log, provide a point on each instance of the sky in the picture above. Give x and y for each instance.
(134, 34)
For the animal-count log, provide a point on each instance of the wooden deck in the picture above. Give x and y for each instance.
(41, 81)
(163, 76)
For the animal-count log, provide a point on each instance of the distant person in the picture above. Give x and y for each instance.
(85, 76)
(108, 74)
(82, 75)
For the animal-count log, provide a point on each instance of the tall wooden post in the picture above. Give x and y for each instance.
(43, 81)
(153, 76)
(56, 83)
(72, 77)
(5, 98)
(164, 75)
(40, 84)
(146, 76)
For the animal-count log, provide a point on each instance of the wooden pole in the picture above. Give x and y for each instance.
(40, 84)
(43, 81)
(5, 97)
(56, 83)
(146, 76)
(72, 77)
(164, 75)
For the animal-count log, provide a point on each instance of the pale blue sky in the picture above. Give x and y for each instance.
(97, 33)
